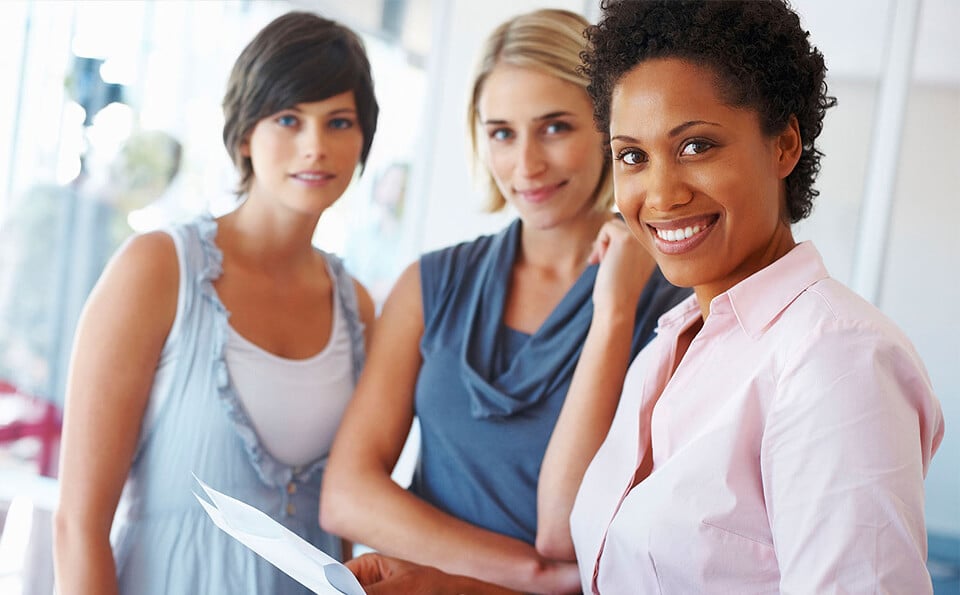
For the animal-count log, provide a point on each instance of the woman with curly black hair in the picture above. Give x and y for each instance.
(775, 436)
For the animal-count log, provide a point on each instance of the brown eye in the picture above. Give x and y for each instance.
(631, 156)
(696, 147)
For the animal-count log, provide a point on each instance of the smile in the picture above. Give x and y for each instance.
(536, 195)
(682, 235)
(312, 176)
(675, 235)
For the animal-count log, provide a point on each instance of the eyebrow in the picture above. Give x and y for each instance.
(342, 110)
(673, 132)
(550, 116)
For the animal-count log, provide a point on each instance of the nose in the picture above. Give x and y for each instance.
(313, 141)
(664, 187)
(531, 159)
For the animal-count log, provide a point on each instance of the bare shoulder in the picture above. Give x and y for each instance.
(402, 312)
(406, 291)
(152, 254)
(143, 274)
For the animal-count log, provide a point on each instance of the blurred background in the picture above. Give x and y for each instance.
(110, 124)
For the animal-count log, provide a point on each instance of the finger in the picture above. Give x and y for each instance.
(366, 568)
(596, 253)
(600, 246)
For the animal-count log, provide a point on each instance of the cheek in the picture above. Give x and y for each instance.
(594, 163)
(499, 164)
(626, 195)
(264, 147)
(584, 156)
(353, 149)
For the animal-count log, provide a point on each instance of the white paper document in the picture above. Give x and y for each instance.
(278, 545)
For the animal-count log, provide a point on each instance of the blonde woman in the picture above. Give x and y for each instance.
(496, 342)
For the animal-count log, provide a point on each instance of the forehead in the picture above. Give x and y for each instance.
(665, 83)
(517, 93)
(662, 92)
(338, 102)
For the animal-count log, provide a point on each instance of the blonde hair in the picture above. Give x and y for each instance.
(549, 41)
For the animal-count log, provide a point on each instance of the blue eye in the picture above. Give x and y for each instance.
(341, 123)
(557, 127)
(631, 156)
(501, 134)
(287, 120)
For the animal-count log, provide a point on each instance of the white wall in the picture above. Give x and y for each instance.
(921, 266)
(922, 277)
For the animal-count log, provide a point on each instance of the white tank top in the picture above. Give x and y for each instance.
(295, 406)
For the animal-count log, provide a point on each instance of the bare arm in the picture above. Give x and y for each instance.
(362, 502)
(594, 392)
(368, 315)
(118, 343)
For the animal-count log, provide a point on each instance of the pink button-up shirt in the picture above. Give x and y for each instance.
(789, 450)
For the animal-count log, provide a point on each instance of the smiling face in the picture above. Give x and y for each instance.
(305, 156)
(697, 180)
(540, 144)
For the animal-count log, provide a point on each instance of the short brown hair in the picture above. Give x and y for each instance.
(549, 41)
(298, 58)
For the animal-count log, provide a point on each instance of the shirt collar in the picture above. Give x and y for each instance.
(760, 298)
(680, 315)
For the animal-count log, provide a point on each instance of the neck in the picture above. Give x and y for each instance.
(778, 246)
(562, 249)
(266, 238)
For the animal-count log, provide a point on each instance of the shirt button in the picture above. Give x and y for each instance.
(291, 509)
(291, 488)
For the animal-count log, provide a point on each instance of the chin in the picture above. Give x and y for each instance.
(677, 273)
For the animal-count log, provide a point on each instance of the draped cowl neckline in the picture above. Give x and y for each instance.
(548, 358)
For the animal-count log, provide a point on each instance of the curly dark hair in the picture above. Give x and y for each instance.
(760, 53)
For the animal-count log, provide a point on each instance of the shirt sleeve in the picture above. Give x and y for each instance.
(845, 449)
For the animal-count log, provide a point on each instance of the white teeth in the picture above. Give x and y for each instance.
(675, 235)
(307, 176)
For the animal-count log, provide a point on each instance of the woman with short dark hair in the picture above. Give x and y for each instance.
(224, 347)
(775, 436)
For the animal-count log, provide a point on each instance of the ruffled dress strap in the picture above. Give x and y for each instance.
(347, 293)
(271, 471)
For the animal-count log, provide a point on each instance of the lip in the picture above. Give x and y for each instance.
(705, 223)
(540, 194)
(313, 178)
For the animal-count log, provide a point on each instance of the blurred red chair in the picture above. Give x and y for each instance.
(36, 419)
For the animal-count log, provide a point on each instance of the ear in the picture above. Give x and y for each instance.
(245, 148)
(789, 147)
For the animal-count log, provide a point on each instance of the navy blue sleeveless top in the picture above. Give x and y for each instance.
(488, 396)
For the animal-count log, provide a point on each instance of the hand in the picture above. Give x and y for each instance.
(380, 575)
(625, 268)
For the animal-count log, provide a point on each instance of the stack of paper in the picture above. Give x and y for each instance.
(278, 545)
